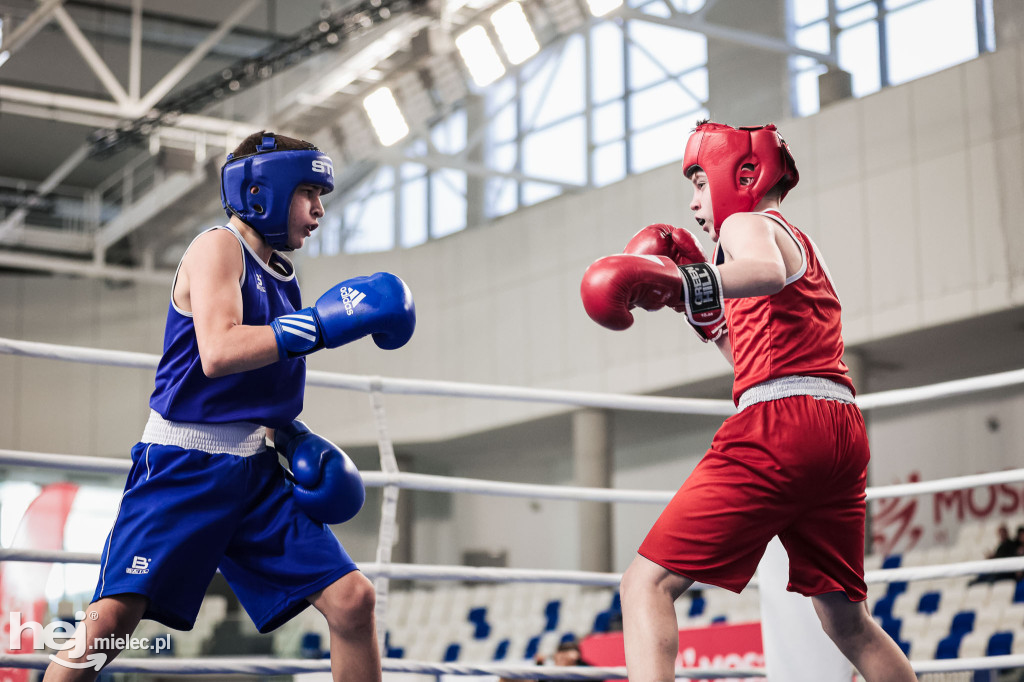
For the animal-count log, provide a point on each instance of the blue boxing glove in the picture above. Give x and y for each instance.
(328, 486)
(380, 305)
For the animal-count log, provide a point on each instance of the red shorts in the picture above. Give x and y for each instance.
(794, 467)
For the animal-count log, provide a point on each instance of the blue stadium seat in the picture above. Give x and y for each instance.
(551, 613)
(531, 647)
(501, 651)
(478, 617)
(892, 561)
(1000, 644)
(949, 647)
(883, 607)
(390, 651)
(311, 645)
(929, 602)
(602, 622)
(963, 622)
(1018, 594)
(451, 654)
(697, 605)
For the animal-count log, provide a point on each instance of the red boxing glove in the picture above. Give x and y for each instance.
(664, 240)
(614, 285)
(681, 246)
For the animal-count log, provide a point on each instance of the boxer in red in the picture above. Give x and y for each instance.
(793, 461)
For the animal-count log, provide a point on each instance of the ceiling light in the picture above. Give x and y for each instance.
(385, 116)
(479, 55)
(599, 8)
(514, 32)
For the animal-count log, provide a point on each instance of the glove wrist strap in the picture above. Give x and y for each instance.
(297, 334)
(703, 300)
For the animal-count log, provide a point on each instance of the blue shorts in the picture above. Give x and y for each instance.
(186, 513)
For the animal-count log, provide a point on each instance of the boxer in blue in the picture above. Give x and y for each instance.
(205, 491)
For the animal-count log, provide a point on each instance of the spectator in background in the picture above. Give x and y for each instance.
(567, 654)
(1007, 547)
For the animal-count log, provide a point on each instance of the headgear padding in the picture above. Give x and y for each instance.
(258, 187)
(722, 151)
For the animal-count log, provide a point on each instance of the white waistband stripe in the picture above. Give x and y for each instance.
(234, 438)
(786, 387)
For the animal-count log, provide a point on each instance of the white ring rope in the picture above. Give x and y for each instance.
(455, 484)
(538, 575)
(366, 384)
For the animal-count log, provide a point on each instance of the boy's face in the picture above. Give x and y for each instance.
(303, 214)
(701, 203)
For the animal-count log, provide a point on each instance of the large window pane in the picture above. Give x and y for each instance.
(929, 37)
(660, 145)
(656, 51)
(558, 152)
(609, 163)
(500, 194)
(449, 136)
(606, 61)
(656, 104)
(371, 224)
(557, 90)
(414, 212)
(807, 11)
(448, 189)
(858, 54)
(609, 122)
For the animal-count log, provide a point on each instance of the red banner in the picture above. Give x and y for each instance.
(716, 646)
(23, 584)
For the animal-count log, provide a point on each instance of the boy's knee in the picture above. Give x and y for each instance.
(350, 606)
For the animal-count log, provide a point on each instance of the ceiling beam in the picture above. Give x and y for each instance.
(733, 35)
(39, 17)
(181, 69)
(81, 268)
(91, 57)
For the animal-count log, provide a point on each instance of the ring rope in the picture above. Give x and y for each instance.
(455, 484)
(539, 575)
(363, 383)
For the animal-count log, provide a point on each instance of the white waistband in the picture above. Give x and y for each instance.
(234, 438)
(785, 387)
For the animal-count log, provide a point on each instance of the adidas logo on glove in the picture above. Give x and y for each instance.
(350, 298)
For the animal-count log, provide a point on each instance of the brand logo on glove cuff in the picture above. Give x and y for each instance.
(350, 298)
(703, 287)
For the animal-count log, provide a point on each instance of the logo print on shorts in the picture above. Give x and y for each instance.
(139, 565)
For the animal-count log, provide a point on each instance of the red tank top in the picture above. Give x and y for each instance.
(797, 331)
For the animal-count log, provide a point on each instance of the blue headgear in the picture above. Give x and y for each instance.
(258, 187)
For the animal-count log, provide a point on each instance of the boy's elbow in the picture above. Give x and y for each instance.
(770, 280)
(214, 364)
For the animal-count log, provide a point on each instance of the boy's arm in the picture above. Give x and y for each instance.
(212, 270)
(754, 265)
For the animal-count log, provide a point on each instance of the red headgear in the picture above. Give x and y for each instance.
(721, 151)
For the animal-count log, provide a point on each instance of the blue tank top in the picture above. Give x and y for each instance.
(269, 396)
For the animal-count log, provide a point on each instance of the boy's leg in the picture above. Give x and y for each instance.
(649, 621)
(875, 655)
(348, 605)
(116, 617)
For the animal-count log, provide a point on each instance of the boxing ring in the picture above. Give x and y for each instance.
(392, 481)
